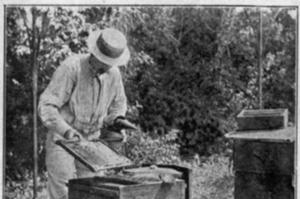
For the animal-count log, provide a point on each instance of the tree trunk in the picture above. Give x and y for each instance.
(260, 66)
(34, 91)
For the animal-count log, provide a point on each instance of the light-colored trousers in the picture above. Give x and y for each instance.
(62, 167)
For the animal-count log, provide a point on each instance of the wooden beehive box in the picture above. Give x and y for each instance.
(116, 188)
(262, 119)
(265, 151)
(264, 163)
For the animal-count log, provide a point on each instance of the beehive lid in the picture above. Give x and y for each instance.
(95, 155)
(262, 112)
(278, 135)
(262, 119)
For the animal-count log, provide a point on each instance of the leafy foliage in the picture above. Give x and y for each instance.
(204, 71)
(150, 149)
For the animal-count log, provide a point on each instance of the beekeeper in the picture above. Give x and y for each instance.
(85, 93)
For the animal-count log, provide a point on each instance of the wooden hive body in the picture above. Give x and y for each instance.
(264, 163)
(111, 188)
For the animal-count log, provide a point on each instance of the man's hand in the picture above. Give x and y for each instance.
(72, 134)
(94, 136)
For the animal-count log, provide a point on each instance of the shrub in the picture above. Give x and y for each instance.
(143, 148)
(23, 189)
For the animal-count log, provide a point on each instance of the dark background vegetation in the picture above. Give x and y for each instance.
(193, 69)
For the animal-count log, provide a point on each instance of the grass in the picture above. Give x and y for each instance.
(213, 179)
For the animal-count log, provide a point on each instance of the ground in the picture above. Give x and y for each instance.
(212, 179)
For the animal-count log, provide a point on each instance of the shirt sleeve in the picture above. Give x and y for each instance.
(55, 96)
(118, 107)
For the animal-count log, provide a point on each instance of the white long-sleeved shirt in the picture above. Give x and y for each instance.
(77, 98)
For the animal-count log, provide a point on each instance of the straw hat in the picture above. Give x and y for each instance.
(109, 46)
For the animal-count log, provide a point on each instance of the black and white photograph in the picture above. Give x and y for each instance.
(149, 101)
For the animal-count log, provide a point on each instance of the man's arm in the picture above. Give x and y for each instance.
(55, 96)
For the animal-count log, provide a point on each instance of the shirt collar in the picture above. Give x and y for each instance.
(93, 71)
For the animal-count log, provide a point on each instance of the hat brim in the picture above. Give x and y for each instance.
(92, 46)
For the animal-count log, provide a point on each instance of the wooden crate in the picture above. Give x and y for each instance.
(114, 188)
(262, 119)
(250, 185)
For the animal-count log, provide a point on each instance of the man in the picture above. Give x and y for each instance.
(85, 93)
